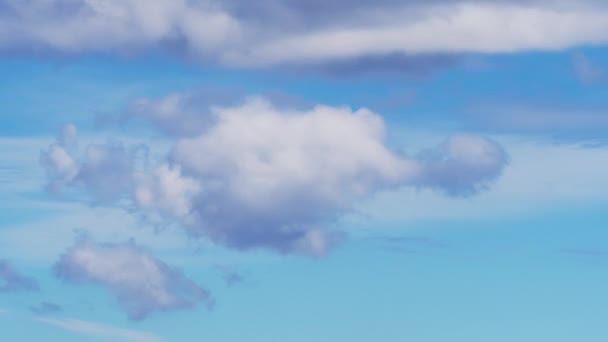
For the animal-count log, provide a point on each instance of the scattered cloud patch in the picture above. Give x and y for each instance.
(11, 280)
(105, 171)
(141, 283)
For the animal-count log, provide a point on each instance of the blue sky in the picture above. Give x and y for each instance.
(394, 170)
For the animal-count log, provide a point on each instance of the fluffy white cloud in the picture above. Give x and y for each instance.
(273, 32)
(142, 283)
(260, 176)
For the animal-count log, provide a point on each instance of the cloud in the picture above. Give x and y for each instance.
(142, 283)
(463, 164)
(101, 331)
(105, 171)
(11, 280)
(271, 32)
(261, 176)
(181, 114)
(461, 27)
(46, 308)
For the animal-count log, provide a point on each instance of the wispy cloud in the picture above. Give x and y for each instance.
(13, 280)
(101, 331)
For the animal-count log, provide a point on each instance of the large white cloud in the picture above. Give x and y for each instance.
(260, 176)
(141, 282)
(271, 32)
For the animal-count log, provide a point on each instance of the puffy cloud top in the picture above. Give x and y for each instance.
(260, 176)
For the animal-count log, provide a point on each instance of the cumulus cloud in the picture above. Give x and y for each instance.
(286, 32)
(105, 171)
(11, 280)
(275, 178)
(141, 283)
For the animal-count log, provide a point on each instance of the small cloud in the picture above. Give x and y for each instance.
(141, 283)
(44, 308)
(14, 281)
(265, 176)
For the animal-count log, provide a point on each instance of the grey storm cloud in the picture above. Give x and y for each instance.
(142, 283)
(11, 280)
(301, 33)
(260, 176)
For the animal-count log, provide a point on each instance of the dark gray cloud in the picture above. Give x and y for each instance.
(142, 283)
(45, 308)
(11, 280)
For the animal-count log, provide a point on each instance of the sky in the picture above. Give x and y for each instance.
(286, 170)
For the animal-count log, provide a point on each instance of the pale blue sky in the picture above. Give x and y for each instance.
(183, 172)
